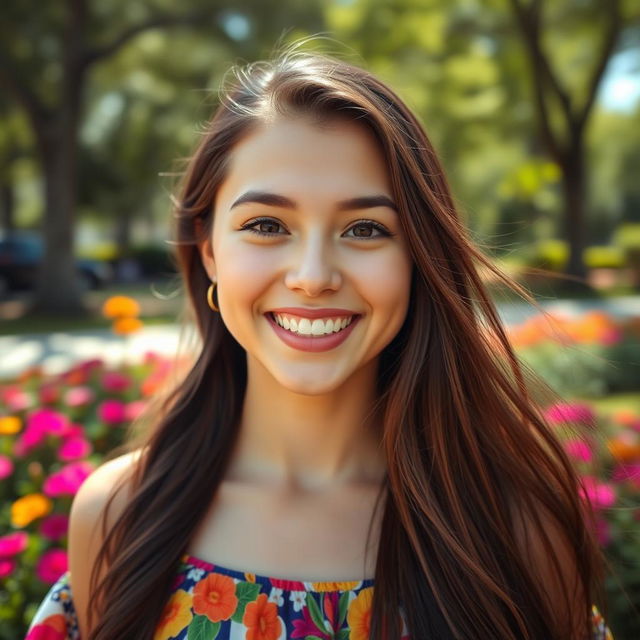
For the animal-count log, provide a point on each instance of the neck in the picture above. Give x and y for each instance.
(300, 442)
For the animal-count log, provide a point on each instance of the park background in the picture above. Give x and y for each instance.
(534, 108)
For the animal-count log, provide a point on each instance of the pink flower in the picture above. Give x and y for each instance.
(134, 409)
(16, 398)
(55, 526)
(574, 412)
(6, 466)
(13, 543)
(114, 381)
(627, 472)
(602, 495)
(112, 412)
(579, 450)
(611, 336)
(73, 431)
(74, 448)
(79, 396)
(52, 565)
(6, 567)
(67, 480)
(47, 421)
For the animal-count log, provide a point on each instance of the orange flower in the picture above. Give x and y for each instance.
(215, 597)
(261, 618)
(120, 306)
(126, 325)
(26, 509)
(359, 615)
(10, 425)
(176, 615)
(623, 450)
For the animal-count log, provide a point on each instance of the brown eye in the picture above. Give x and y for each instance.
(368, 230)
(268, 227)
(264, 227)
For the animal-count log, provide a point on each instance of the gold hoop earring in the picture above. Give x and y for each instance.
(210, 292)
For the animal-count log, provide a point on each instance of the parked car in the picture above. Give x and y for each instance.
(21, 255)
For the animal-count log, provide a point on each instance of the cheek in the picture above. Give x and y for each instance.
(243, 273)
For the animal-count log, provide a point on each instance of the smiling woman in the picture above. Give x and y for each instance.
(356, 422)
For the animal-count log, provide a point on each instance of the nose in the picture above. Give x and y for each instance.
(314, 270)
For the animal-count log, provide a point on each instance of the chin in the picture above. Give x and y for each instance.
(309, 385)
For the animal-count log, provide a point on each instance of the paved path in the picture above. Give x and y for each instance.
(56, 351)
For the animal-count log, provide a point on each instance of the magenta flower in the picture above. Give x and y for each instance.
(52, 565)
(73, 431)
(115, 382)
(627, 472)
(73, 449)
(112, 412)
(602, 495)
(13, 543)
(79, 396)
(579, 450)
(55, 526)
(134, 410)
(90, 365)
(49, 394)
(6, 466)
(47, 421)
(306, 626)
(67, 480)
(6, 567)
(575, 412)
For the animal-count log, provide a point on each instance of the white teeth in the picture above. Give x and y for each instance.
(316, 327)
(304, 326)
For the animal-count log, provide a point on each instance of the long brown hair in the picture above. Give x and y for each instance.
(467, 446)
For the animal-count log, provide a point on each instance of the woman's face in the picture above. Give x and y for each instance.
(305, 235)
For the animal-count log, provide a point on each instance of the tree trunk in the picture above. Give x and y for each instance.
(7, 207)
(573, 186)
(58, 291)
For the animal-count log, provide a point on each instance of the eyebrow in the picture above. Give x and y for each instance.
(276, 200)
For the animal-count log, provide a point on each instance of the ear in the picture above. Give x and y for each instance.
(205, 249)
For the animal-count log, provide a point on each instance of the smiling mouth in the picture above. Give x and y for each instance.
(312, 328)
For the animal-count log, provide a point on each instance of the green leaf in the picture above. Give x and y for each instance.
(343, 634)
(201, 628)
(343, 606)
(316, 614)
(246, 592)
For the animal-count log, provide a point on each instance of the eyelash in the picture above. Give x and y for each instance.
(377, 226)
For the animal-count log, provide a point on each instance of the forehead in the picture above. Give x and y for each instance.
(299, 157)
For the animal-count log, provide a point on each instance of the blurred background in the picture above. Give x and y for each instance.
(533, 106)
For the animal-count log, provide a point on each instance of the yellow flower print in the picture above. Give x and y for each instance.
(176, 615)
(335, 586)
(359, 615)
(26, 509)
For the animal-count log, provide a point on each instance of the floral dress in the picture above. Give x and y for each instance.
(215, 603)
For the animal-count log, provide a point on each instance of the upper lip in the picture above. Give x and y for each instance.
(314, 313)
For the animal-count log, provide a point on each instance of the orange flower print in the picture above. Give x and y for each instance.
(359, 615)
(261, 619)
(215, 597)
(176, 615)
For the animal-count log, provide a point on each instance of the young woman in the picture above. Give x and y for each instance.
(354, 453)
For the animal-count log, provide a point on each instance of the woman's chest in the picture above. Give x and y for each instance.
(291, 536)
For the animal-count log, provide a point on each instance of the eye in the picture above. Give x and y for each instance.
(366, 229)
(263, 227)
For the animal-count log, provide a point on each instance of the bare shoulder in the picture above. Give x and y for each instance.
(85, 530)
